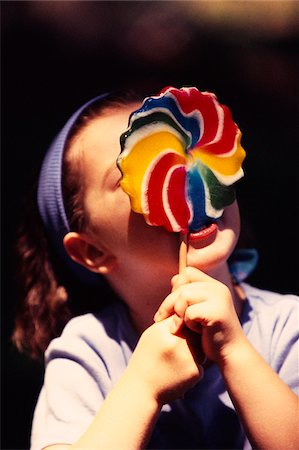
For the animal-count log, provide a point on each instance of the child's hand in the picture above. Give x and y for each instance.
(165, 364)
(204, 305)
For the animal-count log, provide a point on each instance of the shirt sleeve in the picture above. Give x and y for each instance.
(285, 343)
(75, 385)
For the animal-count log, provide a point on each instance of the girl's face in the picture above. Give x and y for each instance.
(113, 227)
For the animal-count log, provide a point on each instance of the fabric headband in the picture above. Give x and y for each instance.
(50, 198)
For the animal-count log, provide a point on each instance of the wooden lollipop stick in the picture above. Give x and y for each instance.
(183, 252)
(179, 324)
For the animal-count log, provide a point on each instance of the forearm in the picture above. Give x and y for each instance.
(161, 369)
(266, 405)
(126, 419)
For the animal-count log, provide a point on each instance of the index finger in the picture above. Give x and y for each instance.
(166, 308)
(188, 275)
(191, 274)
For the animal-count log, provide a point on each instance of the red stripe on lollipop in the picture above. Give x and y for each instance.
(176, 195)
(226, 141)
(154, 192)
(215, 119)
(193, 101)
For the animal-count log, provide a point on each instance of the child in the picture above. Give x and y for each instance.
(215, 368)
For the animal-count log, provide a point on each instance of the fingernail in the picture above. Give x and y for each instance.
(157, 316)
(176, 325)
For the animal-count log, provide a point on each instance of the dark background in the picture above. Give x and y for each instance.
(56, 55)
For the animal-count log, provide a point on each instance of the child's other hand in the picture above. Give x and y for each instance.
(166, 364)
(205, 306)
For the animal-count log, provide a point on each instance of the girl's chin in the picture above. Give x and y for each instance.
(208, 253)
(207, 265)
(213, 244)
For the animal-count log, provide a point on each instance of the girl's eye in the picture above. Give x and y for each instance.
(117, 177)
(114, 179)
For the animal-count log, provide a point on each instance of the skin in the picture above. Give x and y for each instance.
(195, 311)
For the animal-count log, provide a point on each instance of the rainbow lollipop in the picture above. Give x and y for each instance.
(180, 158)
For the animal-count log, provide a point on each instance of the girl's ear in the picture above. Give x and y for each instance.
(87, 254)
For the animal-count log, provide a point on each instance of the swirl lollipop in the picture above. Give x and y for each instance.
(180, 158)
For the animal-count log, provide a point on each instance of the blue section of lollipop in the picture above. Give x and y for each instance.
(196, 196)
(189, 123)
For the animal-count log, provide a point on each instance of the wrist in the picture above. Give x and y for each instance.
(234, 351)
(142, 390)
(237, 353)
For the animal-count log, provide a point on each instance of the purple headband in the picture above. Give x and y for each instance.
(50, 198)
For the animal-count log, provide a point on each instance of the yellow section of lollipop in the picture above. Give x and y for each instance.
(134, 167)
(227, 166)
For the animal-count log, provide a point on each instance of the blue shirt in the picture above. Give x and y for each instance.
(87, 360)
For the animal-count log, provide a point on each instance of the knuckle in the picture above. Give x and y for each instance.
(191, 313)
(189, 272)
(174, 280)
